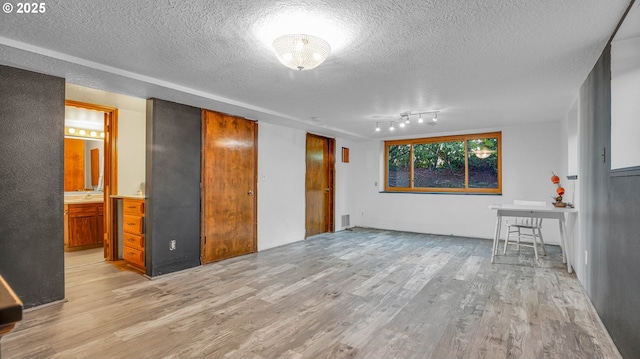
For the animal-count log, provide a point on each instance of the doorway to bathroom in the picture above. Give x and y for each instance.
(90, 178)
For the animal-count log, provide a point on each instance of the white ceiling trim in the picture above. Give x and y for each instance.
(132, 75)
(154, 81)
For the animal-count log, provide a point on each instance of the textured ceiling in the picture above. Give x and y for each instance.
(483, 64)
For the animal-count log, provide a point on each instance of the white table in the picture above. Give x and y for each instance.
(512, 210)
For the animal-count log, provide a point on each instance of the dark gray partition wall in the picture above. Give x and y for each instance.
(595, 115)
(32, 184)
(173, 186)
(609, 217)
(622, 309)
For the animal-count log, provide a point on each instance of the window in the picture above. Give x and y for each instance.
(465, 163)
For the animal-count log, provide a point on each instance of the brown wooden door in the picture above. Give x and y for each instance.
(73, 165)
(100, 222)
(229, 198)
(319, 190)
(110, 183)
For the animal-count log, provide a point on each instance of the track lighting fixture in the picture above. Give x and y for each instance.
(405, 119)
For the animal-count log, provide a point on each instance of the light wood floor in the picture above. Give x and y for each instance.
(354, 294)
(83, 257)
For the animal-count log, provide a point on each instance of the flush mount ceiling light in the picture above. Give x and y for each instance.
(300, 51)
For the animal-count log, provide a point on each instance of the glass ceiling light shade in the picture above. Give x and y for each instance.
(301, 52)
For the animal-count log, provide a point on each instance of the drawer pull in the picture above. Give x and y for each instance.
(131, 224)
(130, 253)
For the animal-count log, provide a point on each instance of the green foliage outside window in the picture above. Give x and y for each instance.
(468, 163)
(483, 172)
(399, 165)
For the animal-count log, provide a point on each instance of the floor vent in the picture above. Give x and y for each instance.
(345, 220)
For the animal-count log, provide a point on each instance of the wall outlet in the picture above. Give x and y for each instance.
(172, 244)
(586, 257)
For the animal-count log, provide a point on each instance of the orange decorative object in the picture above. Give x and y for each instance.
(560, 190)
(555, 179)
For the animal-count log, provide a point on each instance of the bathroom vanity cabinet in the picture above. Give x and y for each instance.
(83, 225)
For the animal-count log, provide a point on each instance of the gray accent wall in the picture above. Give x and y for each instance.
(173, 186)
(609, 217)
(32, 184)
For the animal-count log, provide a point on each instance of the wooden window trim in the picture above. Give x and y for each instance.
(464, 138)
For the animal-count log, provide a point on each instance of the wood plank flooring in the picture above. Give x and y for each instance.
(83, 257)
(354, 294)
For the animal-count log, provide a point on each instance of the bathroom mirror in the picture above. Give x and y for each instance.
(83, 149)
(83, 163)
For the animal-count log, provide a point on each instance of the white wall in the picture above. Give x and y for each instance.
(346, 184)
(625, 103)
(131, 151)
(529, 154)
(281, 183)
(570, 125)
(131, 133)
(570, 166)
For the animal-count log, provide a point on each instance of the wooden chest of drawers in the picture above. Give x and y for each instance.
(133, 228)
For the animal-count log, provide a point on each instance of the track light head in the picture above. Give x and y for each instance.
(405, 119)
